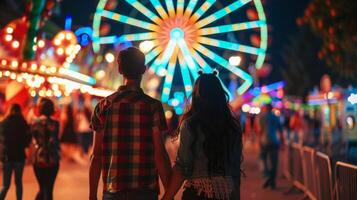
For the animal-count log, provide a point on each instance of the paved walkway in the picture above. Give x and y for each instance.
(72, 183)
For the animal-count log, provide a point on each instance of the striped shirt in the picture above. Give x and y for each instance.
(128, 119)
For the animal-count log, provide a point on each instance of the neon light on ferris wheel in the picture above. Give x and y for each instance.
(180, 36)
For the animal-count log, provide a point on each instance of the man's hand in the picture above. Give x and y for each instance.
(95, 167)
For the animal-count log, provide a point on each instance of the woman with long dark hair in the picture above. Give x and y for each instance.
(47, 154)
(14, 138)
(210, 152)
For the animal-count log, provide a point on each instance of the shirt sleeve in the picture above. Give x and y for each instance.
(97, 119)
(184, 159)
(159, 120)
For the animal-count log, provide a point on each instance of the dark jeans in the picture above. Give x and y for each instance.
(133, 194)
(271, 153)
(191, 194)
(46, 177)
(85, 140)
(8, 167)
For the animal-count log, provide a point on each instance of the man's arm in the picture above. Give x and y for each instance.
(95, 167)
(162, 160)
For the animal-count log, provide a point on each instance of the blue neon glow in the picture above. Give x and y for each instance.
(231, 27)
(230, 45)
(68, 23)
(223, 12)
(187, 56)
(225, 64)
(177, 34)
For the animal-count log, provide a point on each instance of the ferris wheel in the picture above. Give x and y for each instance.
(185, 35)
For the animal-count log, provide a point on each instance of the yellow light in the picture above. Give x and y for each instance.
(19, 79)
(68, 36)
(60, 51)
(69, 50)
(41, 93)
(13, 76)
(57, 42)
(109, 57)
(14, 64)
(53, 70)
(3, 62)
(235, 60)
(33, 93)
(58, 93)
(168, 114)
(49, 93)
(146, 46)
(7, 73)
(55, 87)
(0, 74)
(15, 44)
(24, 65)
(245, 108)
(42, 68)
(100, 74)
(41, 43)
(33, 66)
(9, 30)
(61, 36)
(8, 38)
(34, 48)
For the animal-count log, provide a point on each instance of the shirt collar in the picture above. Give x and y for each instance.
(130, 88)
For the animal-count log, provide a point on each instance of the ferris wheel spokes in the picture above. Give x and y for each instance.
(152, 54)
(169, 77)
(230, 45)
(160, 64)
(180, 6)
(231, 27)
(129, 20)
(202, 10)
(158, 7)
(190, 7)
(140, 7)
(170, 7)
(222, 12)
(185, 75)
(225, 64)
(187, 57)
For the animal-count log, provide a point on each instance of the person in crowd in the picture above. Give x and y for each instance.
(210, 151)
(129, 127)
(316, 125)
(271, 129)
(14, 138)
(45, 131)
(84, 133)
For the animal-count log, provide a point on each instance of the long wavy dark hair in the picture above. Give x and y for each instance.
(210, 111)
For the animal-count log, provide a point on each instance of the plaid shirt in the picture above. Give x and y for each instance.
(128, 119)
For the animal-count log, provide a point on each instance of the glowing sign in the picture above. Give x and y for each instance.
(352, 99)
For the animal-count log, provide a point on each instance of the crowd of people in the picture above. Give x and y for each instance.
(128, 130)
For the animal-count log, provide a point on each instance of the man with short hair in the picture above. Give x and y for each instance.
(128, 148)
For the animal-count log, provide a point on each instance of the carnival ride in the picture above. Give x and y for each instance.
(180, 35)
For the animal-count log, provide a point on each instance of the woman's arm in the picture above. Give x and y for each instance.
(177, 179)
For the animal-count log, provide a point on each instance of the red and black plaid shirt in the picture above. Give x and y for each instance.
(128, 119)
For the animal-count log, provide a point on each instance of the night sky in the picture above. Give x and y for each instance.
(281, 17)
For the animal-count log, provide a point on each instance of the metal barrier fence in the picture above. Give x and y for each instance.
(309, 173)
(346, 181)
(297, 170)
(324, 189)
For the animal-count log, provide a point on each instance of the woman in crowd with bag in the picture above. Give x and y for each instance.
(210, 152)
(14, 138)
(47, 154)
